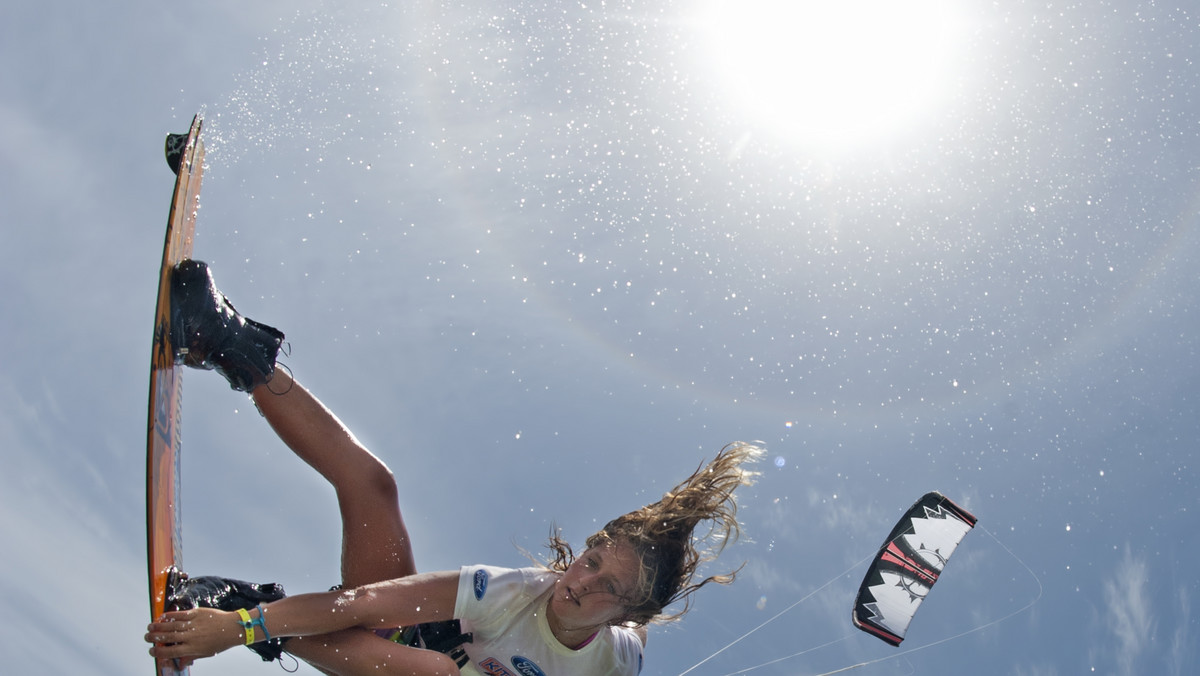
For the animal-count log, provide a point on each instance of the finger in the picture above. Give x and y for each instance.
(162, 637)
(177, 615)
(172, 651)
(167, 627)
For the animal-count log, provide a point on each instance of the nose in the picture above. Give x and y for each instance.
(587, 580)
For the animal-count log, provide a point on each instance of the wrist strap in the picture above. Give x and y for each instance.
(248, 624)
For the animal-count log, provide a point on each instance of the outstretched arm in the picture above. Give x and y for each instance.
(204, 631)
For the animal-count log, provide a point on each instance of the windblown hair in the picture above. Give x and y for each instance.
(663, 535)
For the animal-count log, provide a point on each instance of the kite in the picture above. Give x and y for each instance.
(907, 565)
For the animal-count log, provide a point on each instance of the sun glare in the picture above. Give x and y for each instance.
(833, 75)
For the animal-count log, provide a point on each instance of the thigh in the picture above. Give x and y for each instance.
(375, 541)
(375, 544)
(356, 651)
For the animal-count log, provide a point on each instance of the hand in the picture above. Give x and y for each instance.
(189, 634)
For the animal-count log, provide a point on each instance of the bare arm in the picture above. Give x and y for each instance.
(427, 597)
(409, 600)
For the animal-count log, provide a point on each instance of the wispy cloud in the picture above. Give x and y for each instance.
(1128, 615)
(1181, 641)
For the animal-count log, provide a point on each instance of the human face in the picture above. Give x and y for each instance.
(593, 592)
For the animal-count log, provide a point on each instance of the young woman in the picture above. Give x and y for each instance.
(580, 615)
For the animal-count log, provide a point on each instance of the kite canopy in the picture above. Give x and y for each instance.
(908, 564)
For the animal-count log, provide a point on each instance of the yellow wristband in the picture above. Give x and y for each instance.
(247, 625)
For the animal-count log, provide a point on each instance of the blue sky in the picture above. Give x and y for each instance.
(545, 258)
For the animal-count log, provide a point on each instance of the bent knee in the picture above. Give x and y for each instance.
(370, 482)
(380, 481)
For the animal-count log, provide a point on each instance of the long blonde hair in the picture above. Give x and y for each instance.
(663, 536)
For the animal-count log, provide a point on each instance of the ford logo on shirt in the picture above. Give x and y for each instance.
(526, 666)
(481, 580)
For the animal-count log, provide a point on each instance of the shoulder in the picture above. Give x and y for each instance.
(627, 647)
(482, 578)
(480, 584)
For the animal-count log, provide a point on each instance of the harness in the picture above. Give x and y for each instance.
(445, 637)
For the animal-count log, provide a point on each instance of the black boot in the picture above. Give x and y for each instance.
(208, 333)
(174, 150)
(225, 594)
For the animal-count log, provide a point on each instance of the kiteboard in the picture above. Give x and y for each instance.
(164, 541)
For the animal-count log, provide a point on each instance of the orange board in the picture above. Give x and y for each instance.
(164, 539)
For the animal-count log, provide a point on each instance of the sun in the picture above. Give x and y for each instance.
(832, 74)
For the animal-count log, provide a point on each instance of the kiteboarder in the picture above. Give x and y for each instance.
(584, 614)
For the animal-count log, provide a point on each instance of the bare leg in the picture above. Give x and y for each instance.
(375, 543)
(356, 651)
